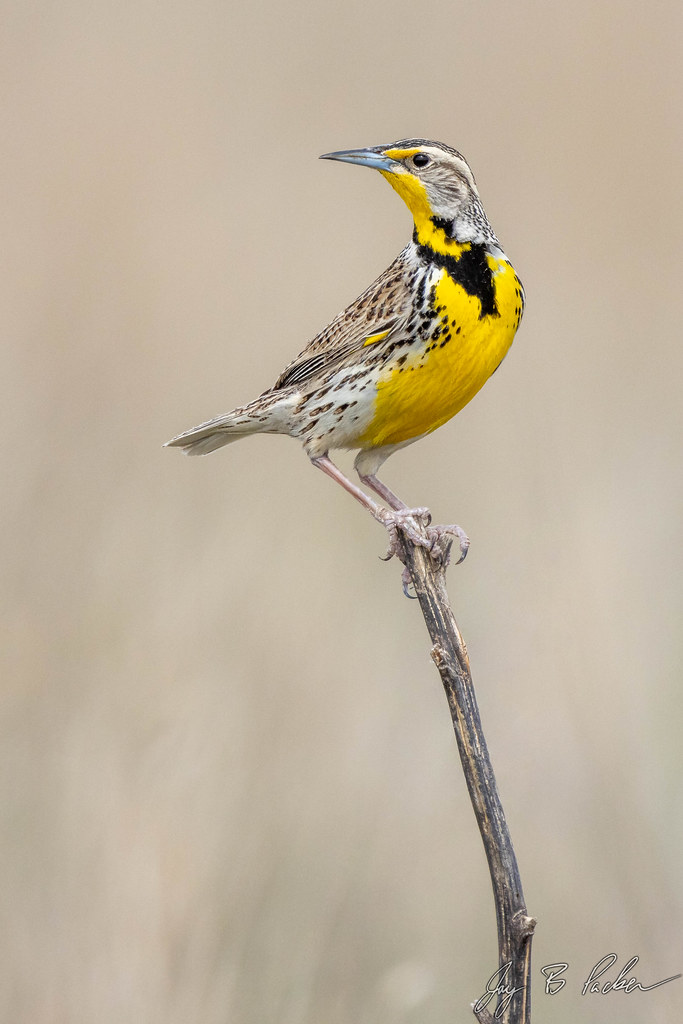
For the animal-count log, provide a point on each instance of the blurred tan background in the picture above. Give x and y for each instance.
(230, 790)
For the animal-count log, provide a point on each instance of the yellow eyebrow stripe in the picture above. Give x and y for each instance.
(400, 154)
(372, 338)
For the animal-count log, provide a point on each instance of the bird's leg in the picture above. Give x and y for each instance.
(441, 537)
(401, 518)
(392, 500)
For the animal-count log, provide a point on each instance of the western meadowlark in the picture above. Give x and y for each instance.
(408, 354)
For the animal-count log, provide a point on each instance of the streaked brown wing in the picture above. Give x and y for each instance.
(375, 316)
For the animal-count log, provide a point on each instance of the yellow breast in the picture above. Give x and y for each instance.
(446, 370)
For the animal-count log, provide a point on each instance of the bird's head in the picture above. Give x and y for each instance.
(436, 184)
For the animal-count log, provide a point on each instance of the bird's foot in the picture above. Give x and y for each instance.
(415, 524)
(410, 521)
(407, 582)
(442, 538)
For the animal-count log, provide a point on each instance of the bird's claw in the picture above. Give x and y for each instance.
(442, 542)
(407, 581)
(408, 521)
(415, 524)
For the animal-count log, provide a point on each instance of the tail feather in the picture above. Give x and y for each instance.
(257, 418)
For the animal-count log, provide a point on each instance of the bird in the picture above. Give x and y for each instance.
(407, 355)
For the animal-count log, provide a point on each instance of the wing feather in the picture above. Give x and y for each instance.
(374, 318)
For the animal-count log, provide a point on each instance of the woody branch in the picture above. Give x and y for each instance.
(515, 927)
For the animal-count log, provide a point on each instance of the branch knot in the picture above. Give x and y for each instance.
(438, 656)
(523, 926)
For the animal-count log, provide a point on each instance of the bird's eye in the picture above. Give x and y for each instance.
(421, 160)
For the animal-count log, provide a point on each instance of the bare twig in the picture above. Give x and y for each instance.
(515, 927)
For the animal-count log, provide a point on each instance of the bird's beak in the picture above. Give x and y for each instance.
(366, 158)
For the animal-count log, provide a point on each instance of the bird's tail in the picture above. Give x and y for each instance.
(259, 417)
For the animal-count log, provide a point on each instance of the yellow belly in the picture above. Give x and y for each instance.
(445, 373)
